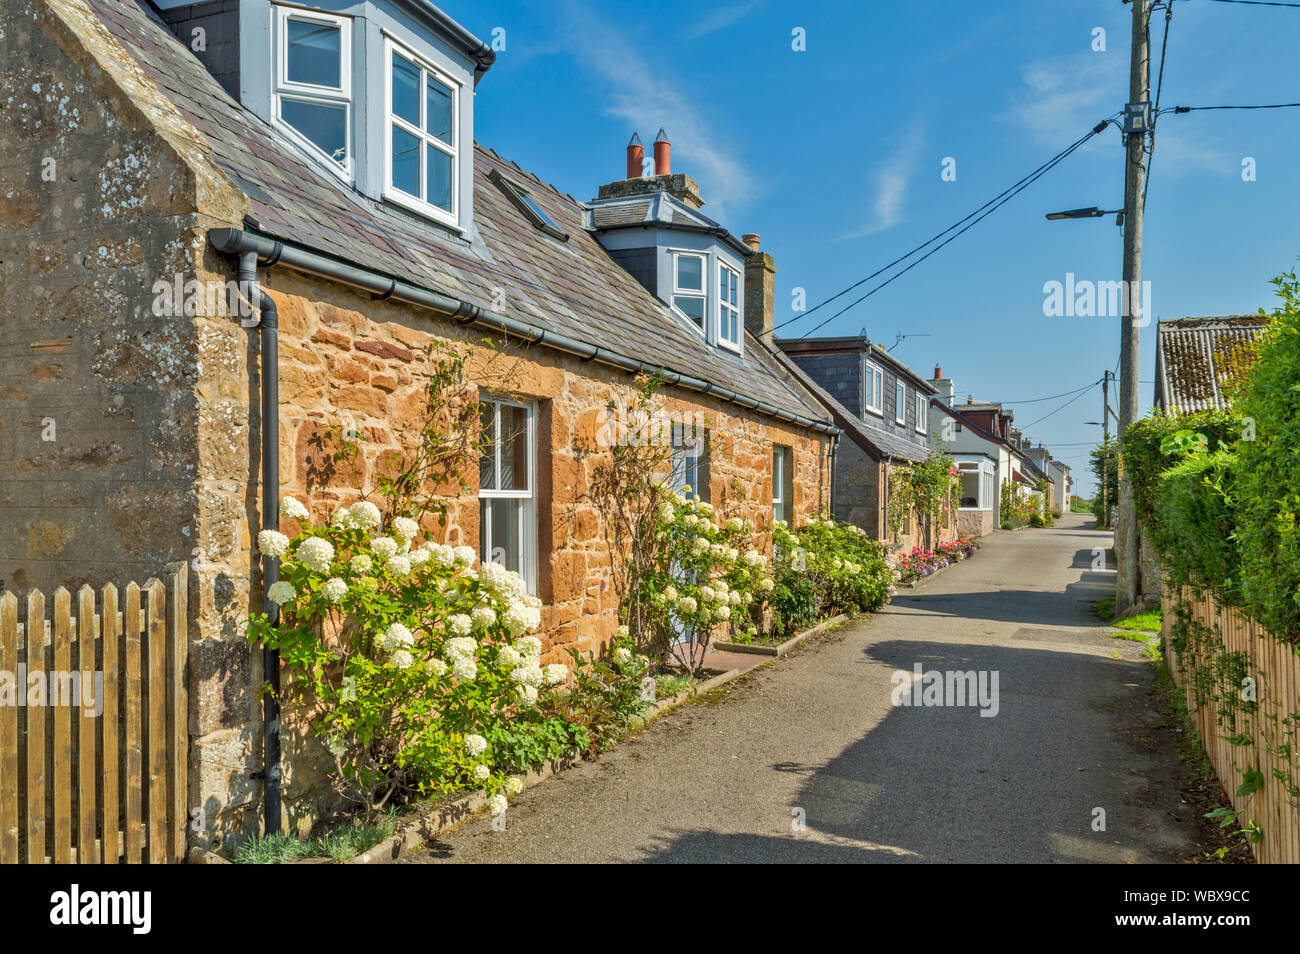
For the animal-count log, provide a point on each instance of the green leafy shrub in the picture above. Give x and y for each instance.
(825, 567)
(1194, 522)
(1268, 529)
(1152, 445)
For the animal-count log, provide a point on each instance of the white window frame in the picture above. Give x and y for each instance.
(922, 412)
(779, 472)
(391, 192)
(984, 472)
(282, 88)
(873, 381)
(702, 293)
(900, 402)
(725, 307)
(528, 512)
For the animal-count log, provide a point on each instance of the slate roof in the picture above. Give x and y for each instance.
(661, 210)
(1197, 357)
(573, 288)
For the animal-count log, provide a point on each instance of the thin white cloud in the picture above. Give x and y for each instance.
(891, 179)
(720, 19)
(640, 94)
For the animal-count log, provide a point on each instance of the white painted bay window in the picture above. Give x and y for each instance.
(688, 287)
(420, 136)
(729, 327)
(312, 98)
(507, 488)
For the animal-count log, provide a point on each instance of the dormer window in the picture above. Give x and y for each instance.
(421, 136)
(312, 94)
(688, 287)
(728, 306)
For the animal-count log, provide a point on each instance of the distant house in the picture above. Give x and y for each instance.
(882, 406)
(1198, 358)
(978, 438)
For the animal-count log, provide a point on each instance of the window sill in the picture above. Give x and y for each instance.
(423, 209)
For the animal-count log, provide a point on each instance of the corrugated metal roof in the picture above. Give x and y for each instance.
(1197, 357)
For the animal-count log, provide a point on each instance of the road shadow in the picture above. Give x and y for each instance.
(1073, 607)
(944, 784)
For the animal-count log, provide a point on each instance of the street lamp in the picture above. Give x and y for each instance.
(1092, 212)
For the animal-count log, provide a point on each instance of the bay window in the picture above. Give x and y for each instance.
(420, 136)
(688, 287)
(312, 99)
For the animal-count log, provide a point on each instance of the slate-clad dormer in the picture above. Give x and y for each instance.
(379, 92)
(653, 227)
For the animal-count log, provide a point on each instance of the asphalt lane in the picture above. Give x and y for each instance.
(810, 760)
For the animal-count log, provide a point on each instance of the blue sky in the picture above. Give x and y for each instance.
(834, 155)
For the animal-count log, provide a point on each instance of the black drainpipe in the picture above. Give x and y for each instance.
(268, 328)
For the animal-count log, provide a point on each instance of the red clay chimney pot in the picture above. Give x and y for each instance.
(750, 239)
(635, 157)
(663, 154)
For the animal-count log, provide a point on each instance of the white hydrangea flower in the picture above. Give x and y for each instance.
(733, 554)
(687, 605)
(464, 668)
(766, 584)
(335, 744)
(529, 646)
(362, 563)
(700, 545)
(333, 590)
(272, 543)
(837, 563)
(514, 785)
(465, 555)
(670, 592)
(399, 565)
(442, 555)
(527, 675)
(733, 598)
(291, 509)
(460, 647)
(735, 523)
(665, 513)
(518, 619)
(459, 624)
(555, 673)
(723, 612)
(396, 636)
(404, 528)
(419, 557)
(482, 772)
(622, 655)
(497, 805)
(526, 695)
(401, 659)
(315, 554)
(281, 592)
(384, 547)
(706, 594)
(475, 745)
(363, 515)
(508, 657)
(624, 632)
(482, 616)
(435, 668)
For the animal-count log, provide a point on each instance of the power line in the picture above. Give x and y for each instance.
(1160, 83)
(1192, 109)
(1013, 192)
(1062, 407)
(1259, 3)
(1051, 397)
(1039, 171)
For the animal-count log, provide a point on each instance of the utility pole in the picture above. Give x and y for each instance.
(1105, 444)
(1136, 130)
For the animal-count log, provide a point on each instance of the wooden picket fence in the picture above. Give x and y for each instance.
(87, 789)
(1273, 729)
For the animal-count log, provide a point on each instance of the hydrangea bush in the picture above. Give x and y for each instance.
(412, 659)
(825, 567)
(705, 574)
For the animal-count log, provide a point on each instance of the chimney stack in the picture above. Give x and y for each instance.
(635, 157)
(947, 388)
(760, 291)
(663, 154)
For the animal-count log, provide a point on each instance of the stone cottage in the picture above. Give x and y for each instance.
(883, 408)
(151, 149)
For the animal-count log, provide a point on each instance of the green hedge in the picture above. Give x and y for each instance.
(1145, 464)
(1268, 531)
(1193, 525)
